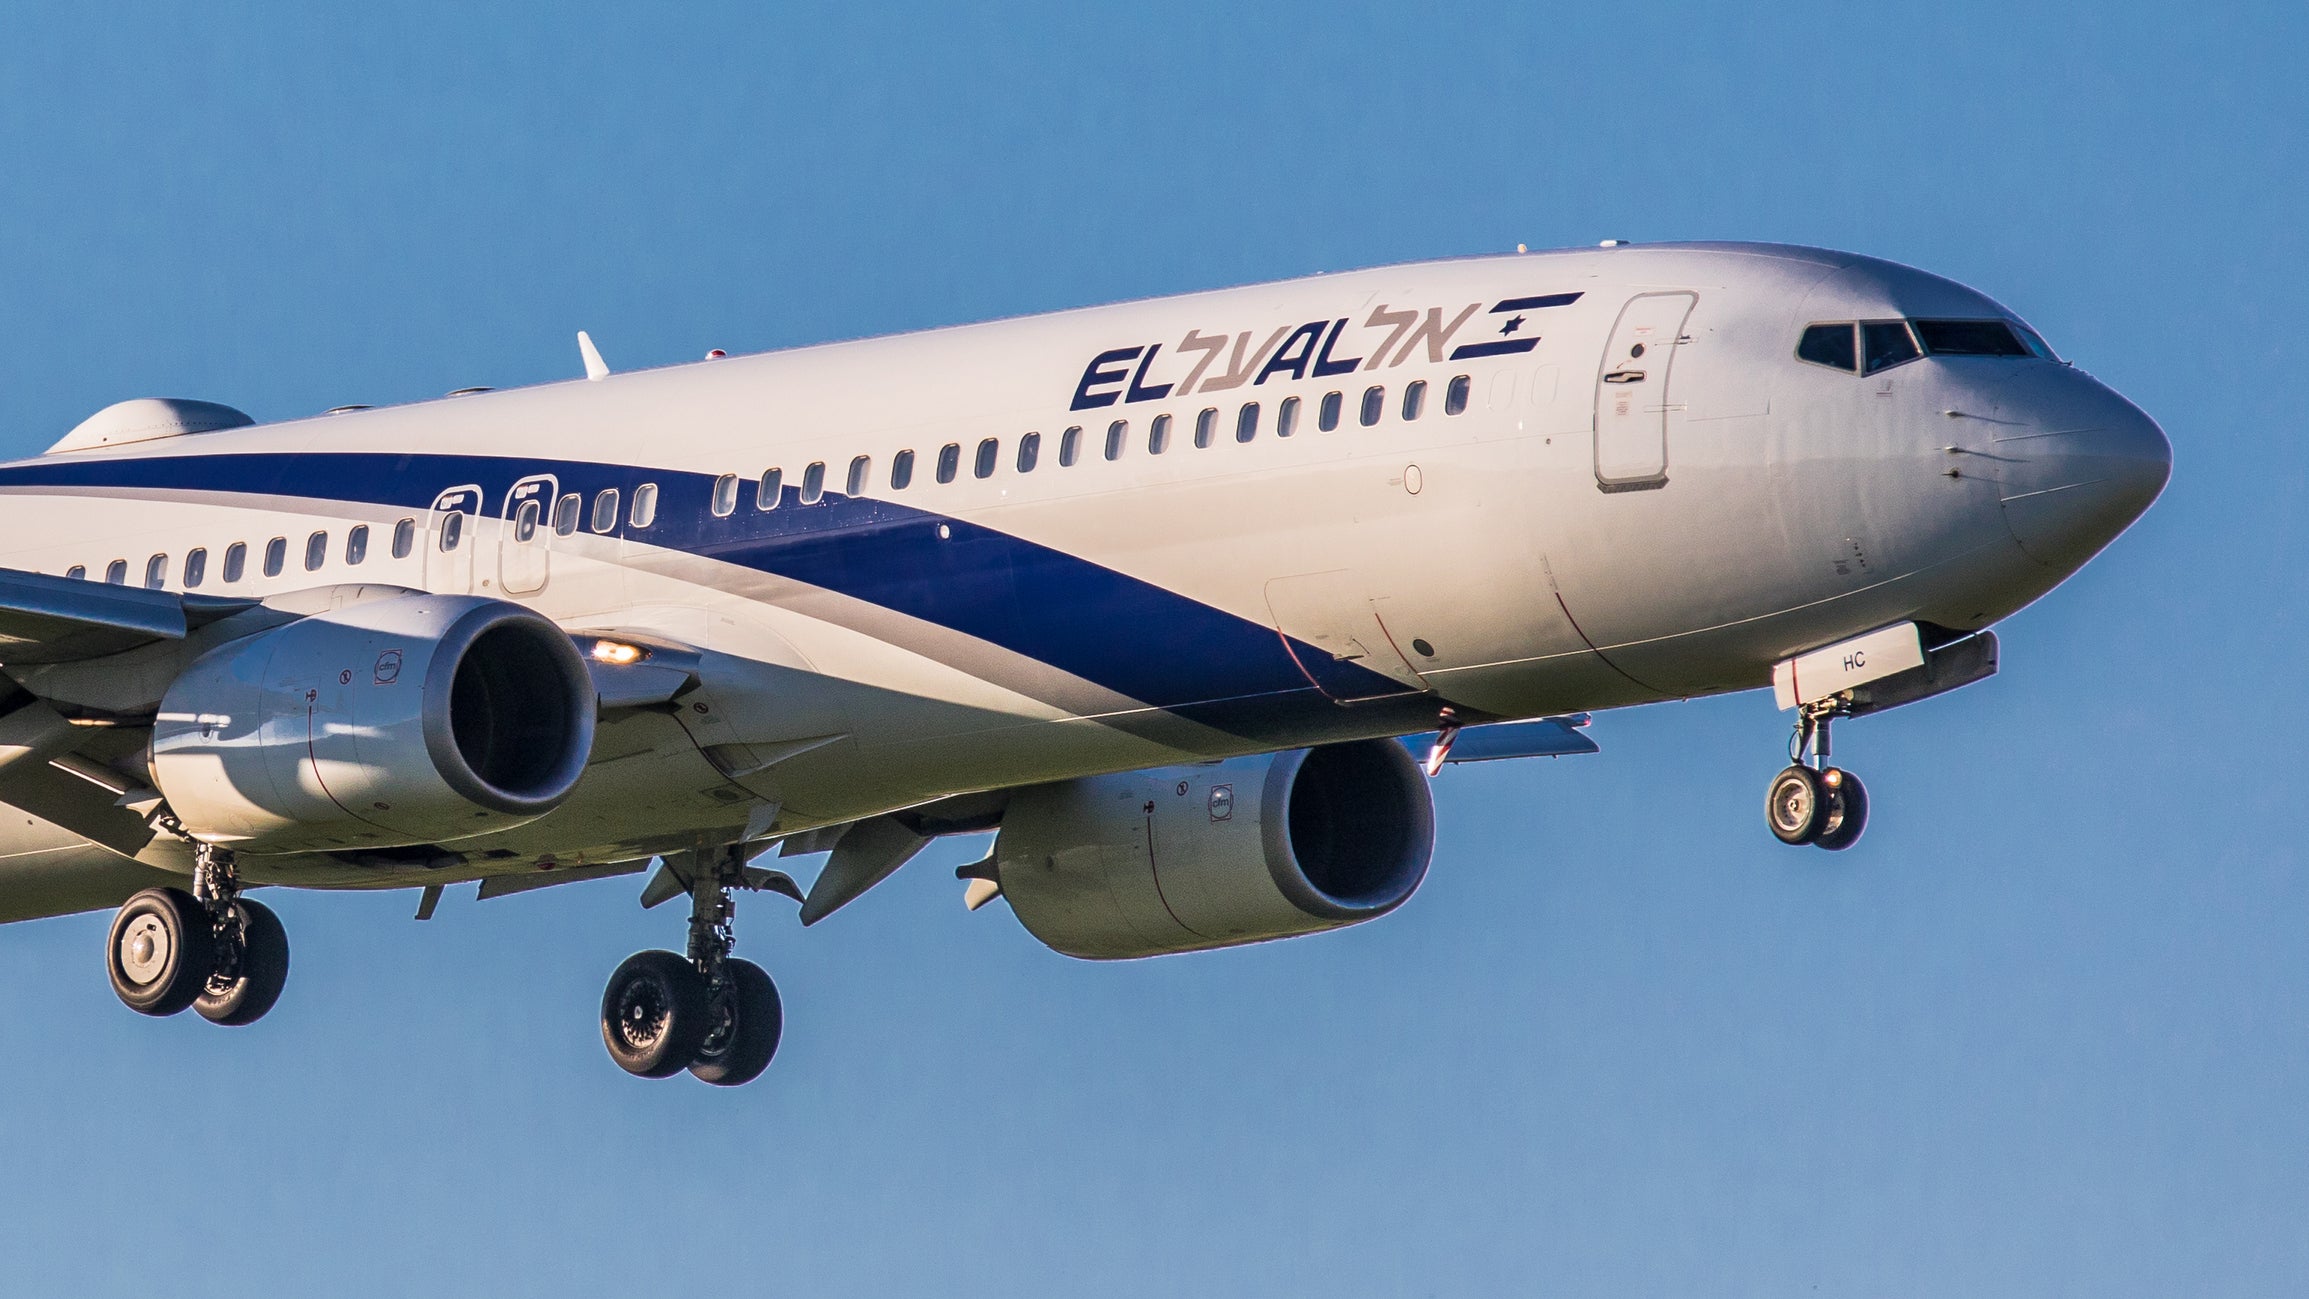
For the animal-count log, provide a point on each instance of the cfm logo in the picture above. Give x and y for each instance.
(1129, 374)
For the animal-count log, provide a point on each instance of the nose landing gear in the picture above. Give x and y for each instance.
(211, 950)
(1811, 801)
(710, 1013)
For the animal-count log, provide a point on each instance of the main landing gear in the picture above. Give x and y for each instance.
(1812, 802)
(710, 1012)
(213, 950)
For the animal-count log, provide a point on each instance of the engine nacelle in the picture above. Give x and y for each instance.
(1179, 859)
(411, 719)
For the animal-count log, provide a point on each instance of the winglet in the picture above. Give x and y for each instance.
(595, 367)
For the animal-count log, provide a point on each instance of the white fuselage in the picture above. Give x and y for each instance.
(1557, 527)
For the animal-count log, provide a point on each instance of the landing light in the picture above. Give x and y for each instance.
(618, 653)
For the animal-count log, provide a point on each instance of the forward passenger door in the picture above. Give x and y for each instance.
(1631, 392)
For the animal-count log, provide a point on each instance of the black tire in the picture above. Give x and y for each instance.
(1850, 817)
(1796, 805)
(160, 951)
(653, 1016)
(244, 995)
(746, 1019)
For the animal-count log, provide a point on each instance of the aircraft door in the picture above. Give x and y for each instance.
(524, 539)
(449, 540)
(1631, 392)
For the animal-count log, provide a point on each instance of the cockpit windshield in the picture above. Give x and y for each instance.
(1867, 346)
(1979, 338)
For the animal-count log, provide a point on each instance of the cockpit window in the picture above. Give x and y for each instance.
(1886, 343)
(1829, 345)
(1971, 338)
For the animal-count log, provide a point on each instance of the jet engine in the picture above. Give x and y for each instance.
(411, 719)
(1178, 859)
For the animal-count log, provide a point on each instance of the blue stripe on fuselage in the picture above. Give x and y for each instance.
(1129, 636)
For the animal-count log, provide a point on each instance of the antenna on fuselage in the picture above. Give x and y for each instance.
(595, 367)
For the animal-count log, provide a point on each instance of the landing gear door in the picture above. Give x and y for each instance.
(1631, 392)
(524, 539)
(449, 540)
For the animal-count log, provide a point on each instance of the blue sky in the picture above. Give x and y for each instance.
(2045, 1032)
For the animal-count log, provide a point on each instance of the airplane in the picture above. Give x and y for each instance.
(1184, 600)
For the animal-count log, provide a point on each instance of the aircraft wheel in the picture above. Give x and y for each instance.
(1848, 815)
(653, 1015)
(243, 994)
(744, 1020)
(1796, 805)
(161, 951)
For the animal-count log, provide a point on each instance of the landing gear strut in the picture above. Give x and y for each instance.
(212, 950)
(1811, 801)
(711, 1013)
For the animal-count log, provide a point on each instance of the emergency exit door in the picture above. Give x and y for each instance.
(1631, 392)
(525, 536)
(449, 540)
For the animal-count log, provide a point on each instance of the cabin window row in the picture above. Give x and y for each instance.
(986, 457)
(195, 569)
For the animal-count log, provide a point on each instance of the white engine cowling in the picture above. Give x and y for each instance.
(412, 719)
(1179, 859)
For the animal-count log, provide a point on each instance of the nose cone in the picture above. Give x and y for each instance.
(2079, 462)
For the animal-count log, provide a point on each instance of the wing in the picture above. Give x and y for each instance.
(46, 619)
(76, 777)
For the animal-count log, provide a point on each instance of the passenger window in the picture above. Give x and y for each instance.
(1247, 422)
(317, 550)
(116, 572)
(236, 560)
(195, 566)
(859, 468)
(1029, 451)
(1971, 338)
(78, 572)
(1886, 343)
(725, 496)
(1070, 447)
(949, 461)
(277, 550)
(1829, 345)
(988, 451)
(814, 482)
(771, 490)
(156, 572)
(565, 513)
(404, 540)
(1206, 426)
(1287, 417)
(1327, 414)
(1158, 435)
(357, 543)
(1455, 396)
(1414, 399)
(524, 527)
(604, 513)
(644, 506)
(901, 470)
(1115, 433)
(1374, 405)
